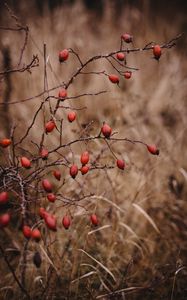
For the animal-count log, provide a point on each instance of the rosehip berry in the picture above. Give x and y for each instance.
(63, 55)
(3, 197)
(25, 162)
(106, 130)
(127, 74)
(4, 220)
(84, 170)
(51, 197)
(153, 149)
(120, 164)
(47, 185)
(113, 78)
(36, 235)
(27, 232)
(66, 222)
(44, 153)
(50, 222)
(157, 52)
(62, 94)
(71, 116)
(120, 56)
(42, 212)
(73, 171)
(5, 143)
(94, 219)
(49, 126)
(84, 158)
(57, 174)
(126, 37)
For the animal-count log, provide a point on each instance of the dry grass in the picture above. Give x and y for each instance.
(141, 240)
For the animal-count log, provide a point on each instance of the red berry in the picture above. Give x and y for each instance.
(106, 130)
(153, 149)
(84, 158)
(71, 116)
(4, 220)
(113, 78)
(27, 232)
(36, 235)
(120, 56)
(127, 74)
(51, 197)
(126, 37)
(49, 126)
(47, 185)
(5, 143)
(42, 212)
(25, 162)
(50, 221)
(73, 171)
(57, 174)
(84, 170)
(44, 153)
(157, 52)
(3, 197)
(66, 222)
(94, 219)
(63, 55)
(120, 164)
(62, 94)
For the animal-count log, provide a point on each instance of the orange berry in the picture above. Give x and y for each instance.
(25, 162)
(4, 220)
(57, 174)
(36, 235)
(44, 153)
(63, 55)
(106, 130)
(62, 94)
(5, 143)
(127, 74)
(84, 170)
(47, 185)
(157, 52)
(71, 116)
(51, 197)
(49, 126)
(126, 37)
(153, 149)
(113, 78)
(120, 164)
(50, 221)
(42, 212)
(94, 219)
(27, 232)
(73, 171)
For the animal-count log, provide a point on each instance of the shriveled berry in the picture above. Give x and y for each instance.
(120, 56)
(127, 74)
(157, 52)
(63, 55)
(66, 222)
(3, 197)
(51, 197)
(126, 37)
(113, 78)
(71, 116)
(120, 164)
(106, 130)
(47, 185)
(94, 219)
(153, 149)
(4, 220)
(84, 170)
(44, 153)
(36, 235)
(62, 94)
(84, 158)
(57, 174)
(73, 171)
(25, 162)
(49, 126)
(37, 260)
(5, 143)
(27, 232)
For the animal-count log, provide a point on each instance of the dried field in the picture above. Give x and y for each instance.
(138, 251)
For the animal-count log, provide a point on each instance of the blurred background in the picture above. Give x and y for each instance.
(151, 107)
